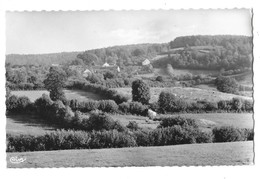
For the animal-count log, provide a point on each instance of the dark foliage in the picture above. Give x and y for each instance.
(133, 108)
(231, 134)
(19, 105)
(173, 121)
(55, 82)
(61, 140)
(140, 92)
(227, 85)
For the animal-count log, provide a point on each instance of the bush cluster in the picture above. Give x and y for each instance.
(169, 102)
(133, 108)
(231, 134)
(170, 121)
(19, 105)
(97, 121)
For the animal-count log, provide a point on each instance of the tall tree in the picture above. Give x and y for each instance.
(140, 92)
(55, 83)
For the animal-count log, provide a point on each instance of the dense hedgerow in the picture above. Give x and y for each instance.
(172, 136)
(132, 125)
(133, 108)
(108, 106)
(16, 104)
(170, 121)
(230, 134)
(62, 139)
(100, 121)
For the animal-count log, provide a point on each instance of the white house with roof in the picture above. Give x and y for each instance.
(105, 65)
(146, 62)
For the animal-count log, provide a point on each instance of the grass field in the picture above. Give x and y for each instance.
(190, 94)
(27, 124)
(234, 153)
(210, 120)
(140, 120)
(70, 94)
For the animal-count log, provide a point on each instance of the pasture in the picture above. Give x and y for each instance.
(27, 124)
(189, 94)
(178, 72)
(210, 120)
(70, 94)
(232, 153)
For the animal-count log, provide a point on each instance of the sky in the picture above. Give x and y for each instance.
(50, 32)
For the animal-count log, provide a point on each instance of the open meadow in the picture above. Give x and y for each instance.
(70, 94)
(234, 153)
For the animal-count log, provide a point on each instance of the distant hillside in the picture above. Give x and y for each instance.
(227, 41)
(41, 59)
(190, 52)
(122, 55)
(209, 52)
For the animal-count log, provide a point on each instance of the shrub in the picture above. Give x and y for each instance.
(124, 107)
(100, 121)
(225, 105)
(227, 84)
(140, 92)
(249, 134)
(142, 137)
(133, 108)
(171, 136)
(172, 121)
(43, 105)
(169, 102)
(227, 134)
(154, 106)
(236, 104)
(159, 78)
(16, 104)
(132, 125)
(247, 106)
(12, 103)
(211, 106)
(203, 137)
(89, 106)
(108, 106)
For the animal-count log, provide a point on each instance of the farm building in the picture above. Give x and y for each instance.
(105, 65)
(146, 62)
(55, 65)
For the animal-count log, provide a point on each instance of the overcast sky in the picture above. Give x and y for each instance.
(48, 32)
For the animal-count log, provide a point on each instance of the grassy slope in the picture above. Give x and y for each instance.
(70, 94)
(26, 124)
(235, 153)
(191, 94)
(209, 120)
